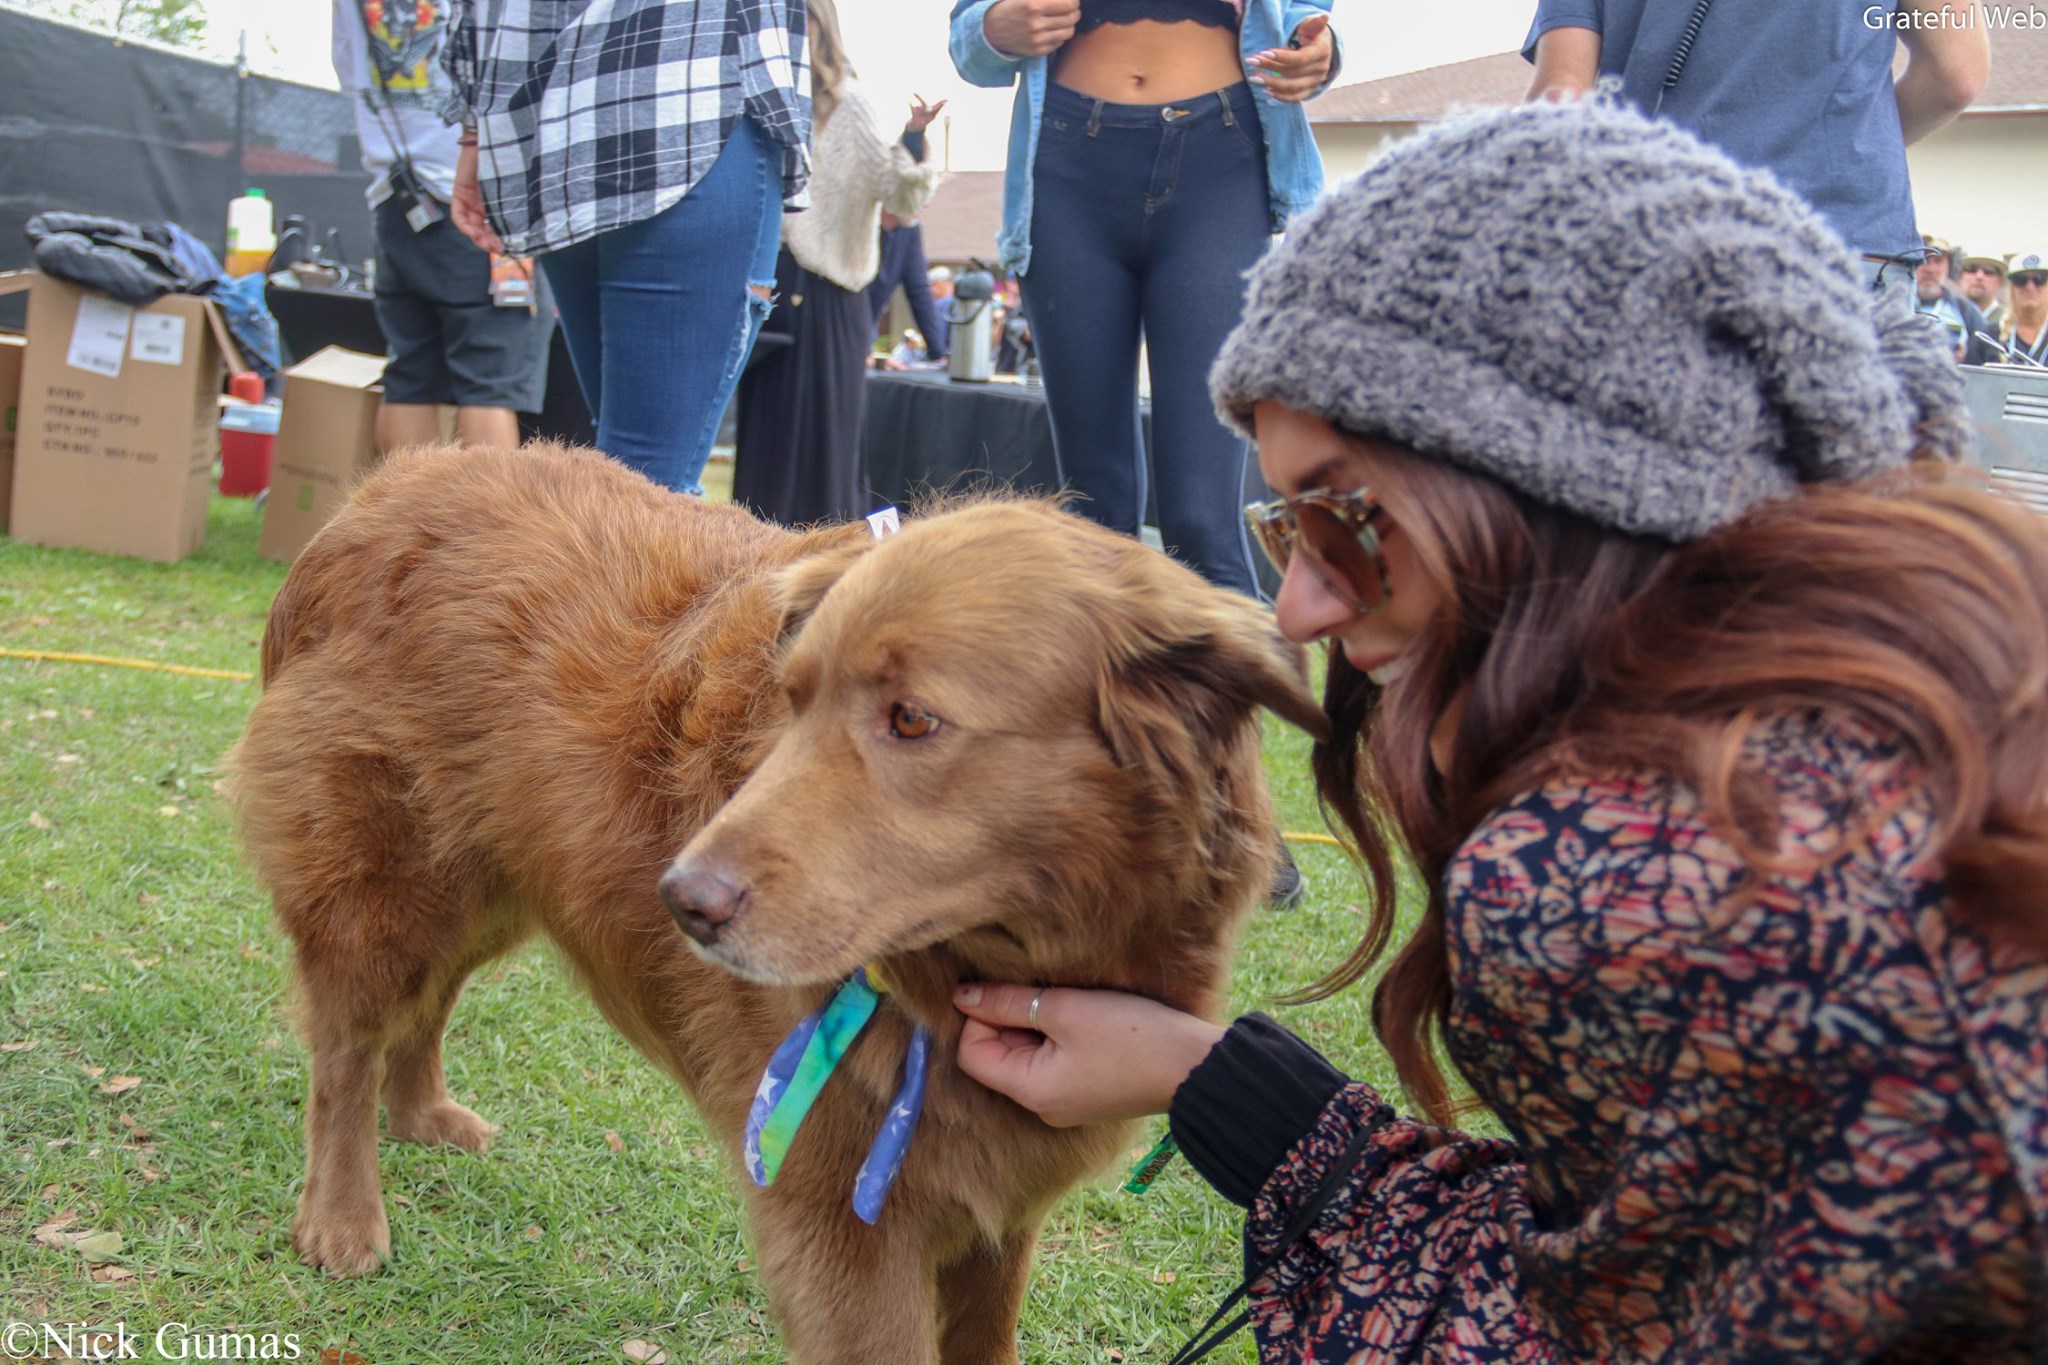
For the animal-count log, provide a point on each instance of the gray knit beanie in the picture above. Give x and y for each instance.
(1598, 310)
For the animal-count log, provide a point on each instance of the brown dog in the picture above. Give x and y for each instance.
(501, 691)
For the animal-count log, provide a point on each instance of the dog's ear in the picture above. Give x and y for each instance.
(802, 585)
(1194, 680)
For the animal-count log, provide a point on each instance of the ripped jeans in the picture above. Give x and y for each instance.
(660, 315)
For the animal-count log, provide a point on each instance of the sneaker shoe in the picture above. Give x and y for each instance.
(1289, 886)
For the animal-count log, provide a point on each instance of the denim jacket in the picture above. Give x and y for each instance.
(1294, 168)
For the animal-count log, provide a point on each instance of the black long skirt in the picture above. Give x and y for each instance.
(801, 403)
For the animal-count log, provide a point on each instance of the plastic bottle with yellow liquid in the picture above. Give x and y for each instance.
(252, 233)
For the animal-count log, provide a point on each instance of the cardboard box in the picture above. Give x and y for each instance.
(119, 423)
(13, 350)
(326, 441)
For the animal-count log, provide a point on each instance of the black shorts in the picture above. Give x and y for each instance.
(448, 342)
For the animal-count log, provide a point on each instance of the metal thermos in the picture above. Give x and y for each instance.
(971, 348)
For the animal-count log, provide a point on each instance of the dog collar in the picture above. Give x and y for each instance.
(797, 1073)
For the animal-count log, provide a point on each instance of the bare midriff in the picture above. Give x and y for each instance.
(1148, 62)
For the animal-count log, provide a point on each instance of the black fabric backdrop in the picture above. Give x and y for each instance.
(95, 125)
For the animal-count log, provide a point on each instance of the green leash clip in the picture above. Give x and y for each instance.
(1151, 1164)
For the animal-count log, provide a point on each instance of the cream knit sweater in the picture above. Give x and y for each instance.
(857, 171)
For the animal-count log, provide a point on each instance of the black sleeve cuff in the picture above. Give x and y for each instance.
(1255, 1095)
(915, 144)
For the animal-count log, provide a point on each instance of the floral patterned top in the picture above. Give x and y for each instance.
(1806, 1125)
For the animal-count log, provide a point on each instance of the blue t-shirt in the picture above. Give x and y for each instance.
(1802, 88)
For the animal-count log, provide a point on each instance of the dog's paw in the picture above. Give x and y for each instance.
(446, 1122)
(342, 1245)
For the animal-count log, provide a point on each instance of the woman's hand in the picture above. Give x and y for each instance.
(1030, 28)
(1094, 1057)
(466, 204)
(921, 114)
(1292, 74)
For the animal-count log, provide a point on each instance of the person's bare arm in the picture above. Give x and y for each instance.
(1946, 65)
(466, 209)
(1567, 64)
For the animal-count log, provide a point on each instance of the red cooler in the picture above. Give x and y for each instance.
(248, 440)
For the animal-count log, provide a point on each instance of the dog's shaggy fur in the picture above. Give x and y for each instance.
(502, 691)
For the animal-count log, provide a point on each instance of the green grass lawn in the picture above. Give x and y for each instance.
(151, 1082)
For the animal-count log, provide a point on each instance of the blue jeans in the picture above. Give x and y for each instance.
(658, 316)
(1144, 220)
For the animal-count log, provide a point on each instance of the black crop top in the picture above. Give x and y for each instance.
(1213, 13)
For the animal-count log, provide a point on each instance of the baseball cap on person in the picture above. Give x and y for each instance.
(2027, 262)
(1937, 246)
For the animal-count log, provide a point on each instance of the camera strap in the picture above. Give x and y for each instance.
(1210, 1336)
(421, 212)
(1682, 54)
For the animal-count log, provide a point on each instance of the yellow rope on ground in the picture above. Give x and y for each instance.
(1314, 839)
(48, 656)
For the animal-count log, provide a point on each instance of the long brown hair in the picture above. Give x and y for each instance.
(830, 66)
(1918, 602)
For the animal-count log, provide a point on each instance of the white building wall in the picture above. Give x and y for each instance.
(1346, 147)
(1981, 182)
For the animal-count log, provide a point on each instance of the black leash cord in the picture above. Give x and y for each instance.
(1204, 1342)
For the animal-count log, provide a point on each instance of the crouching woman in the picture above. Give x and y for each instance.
(1714, 715)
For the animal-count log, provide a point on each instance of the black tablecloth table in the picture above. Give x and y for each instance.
(925, 432)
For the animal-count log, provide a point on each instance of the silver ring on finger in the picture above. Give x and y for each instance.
(1036, 997)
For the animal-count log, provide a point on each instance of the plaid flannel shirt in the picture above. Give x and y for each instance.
(592, 114)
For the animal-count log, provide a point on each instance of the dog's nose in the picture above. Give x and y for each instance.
(702, 902)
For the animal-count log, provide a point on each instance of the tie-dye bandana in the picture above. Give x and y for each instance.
(796, 1075)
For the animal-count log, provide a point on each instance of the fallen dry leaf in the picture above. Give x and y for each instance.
(613, 1141)
(94, 1071)
(532, 1232)
(67, 758)
(120, 1085)
(334, 1355)
(58, 1223)
(109, 1274)
(1111, 1353)
(646, 1352)
(168, 810)
(1164, 1277)
(40, 820)
(92, 988)
(23, 1046)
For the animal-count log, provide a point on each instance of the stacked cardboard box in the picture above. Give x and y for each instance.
(12, 351)
(326, 441)
(119, 420)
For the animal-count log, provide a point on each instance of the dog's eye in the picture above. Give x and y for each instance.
(911, 722)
